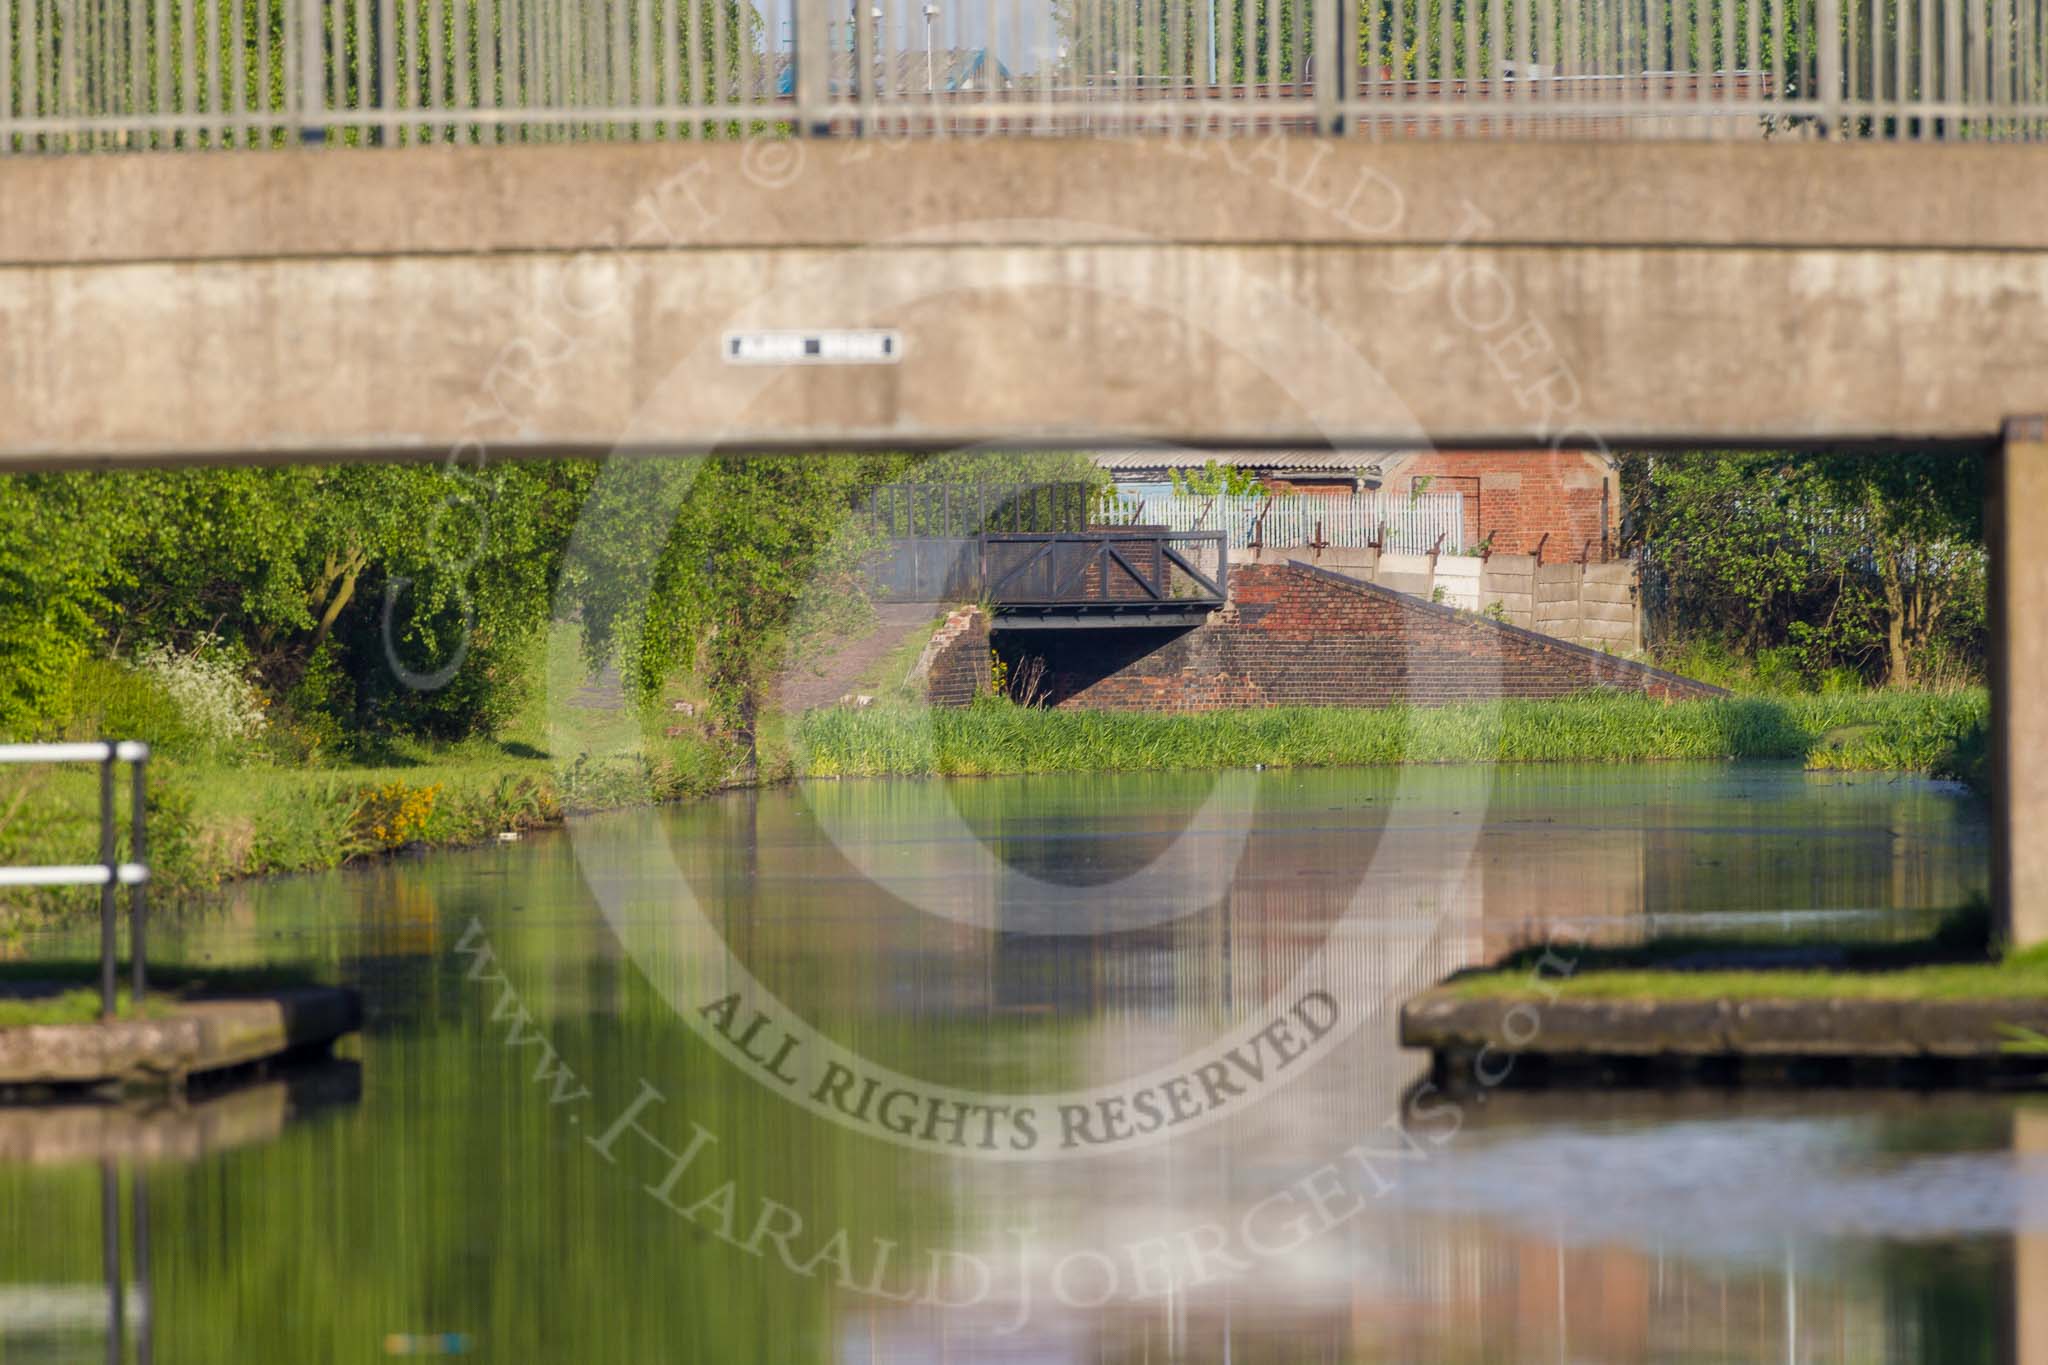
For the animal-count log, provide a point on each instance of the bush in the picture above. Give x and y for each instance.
(110, 700)
(223, 711)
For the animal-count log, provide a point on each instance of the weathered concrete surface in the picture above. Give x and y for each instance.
(321, 304)
(460, 201)
(200, 1036)
(2019, 663)
(1442, 1020)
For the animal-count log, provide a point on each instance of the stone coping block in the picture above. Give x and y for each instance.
(200, 1036)
(1442, 1020)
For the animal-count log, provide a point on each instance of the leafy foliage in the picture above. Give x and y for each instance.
(373, 597)
(1816, 563)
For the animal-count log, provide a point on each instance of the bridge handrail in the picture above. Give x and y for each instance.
(158, 75)
(1100, 561)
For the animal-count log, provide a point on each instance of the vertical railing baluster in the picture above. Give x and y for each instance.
(1851, 40)
(640, 65)
(138, 894)
(6, 76)
(697, 25)
(356, 39)
(1725, 66)
(265, 128)
(1751, 65)
(110, 889)
(462, 98)
(410, 96)
(1980, 92)
(618, 75)
(721, 63)
(536, 69)
(289, 66)
(387, 73)
(672, 79)
(860, 65)
(1951, 62)
(984, 77)
(436, 77)
(490, 62)
(235, 53)
(313, 74)
(1543, 66)
(334, 59)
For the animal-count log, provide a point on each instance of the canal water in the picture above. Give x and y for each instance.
(1046, 1069)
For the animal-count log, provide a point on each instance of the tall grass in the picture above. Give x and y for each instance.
(1903, 732)
(214, 822)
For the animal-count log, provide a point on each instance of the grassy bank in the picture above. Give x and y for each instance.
(210, 823)
(222, 814)
(68, 991)
(2022, 977)
(1956, 960)
(1867, 731)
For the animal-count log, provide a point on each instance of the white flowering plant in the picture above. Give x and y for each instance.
(211, 689)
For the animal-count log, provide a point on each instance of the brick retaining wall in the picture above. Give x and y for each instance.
(955, 665)
(1296, 635)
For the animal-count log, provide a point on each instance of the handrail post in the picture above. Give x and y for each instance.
(1828, 57)
(138, 895)
(312, 72)
(1328, 56)
(110, 858)
(813, 68)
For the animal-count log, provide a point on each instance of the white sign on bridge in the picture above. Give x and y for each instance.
(859, 347)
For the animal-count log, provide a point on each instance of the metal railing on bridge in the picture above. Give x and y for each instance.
(1055, 552)
(133, 75)
(1104, 576)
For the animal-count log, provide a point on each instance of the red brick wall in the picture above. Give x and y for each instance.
(1517, 496)
(960, 668)
(1298, 636)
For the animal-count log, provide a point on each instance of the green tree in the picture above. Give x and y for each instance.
(57, 564)
(1842, 561)
(761, 556)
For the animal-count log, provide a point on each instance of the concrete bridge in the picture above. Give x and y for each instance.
(256, 306)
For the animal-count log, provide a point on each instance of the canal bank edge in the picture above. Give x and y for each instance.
(197, 1037)
(1484, 1039)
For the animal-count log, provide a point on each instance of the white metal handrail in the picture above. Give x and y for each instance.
(110, 872)
(74, 874)
(90, 751)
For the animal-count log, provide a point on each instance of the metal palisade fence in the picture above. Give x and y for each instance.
(115, 75)
(1405, 524)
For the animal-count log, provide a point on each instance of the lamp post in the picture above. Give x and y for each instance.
(931, 12)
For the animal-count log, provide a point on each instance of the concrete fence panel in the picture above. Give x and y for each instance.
(1511, 581)
(1457, 582)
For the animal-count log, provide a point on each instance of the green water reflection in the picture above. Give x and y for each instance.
(936, 928)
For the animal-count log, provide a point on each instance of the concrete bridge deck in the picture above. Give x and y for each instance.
(530, 301)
